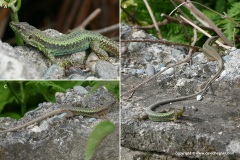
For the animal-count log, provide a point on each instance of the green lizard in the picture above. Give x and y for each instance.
(170, 115)
(174, 114)
(73, 42)
(70, 111)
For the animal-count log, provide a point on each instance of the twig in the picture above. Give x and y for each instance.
(161, 41)
(167, 20)
(154, 76)
(234, 33)
(186, 33)
(133, 18)
(178, 9)
(164, 22)
(194, 41)
(108, 29)
(194, 10)
(190, 52)
(93, 15)
(204, 32)
(153, 19)
(171, 19)
(222, 15)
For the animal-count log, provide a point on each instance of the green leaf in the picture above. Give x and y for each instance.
(5, 97)
(101, 131)
(12, 114)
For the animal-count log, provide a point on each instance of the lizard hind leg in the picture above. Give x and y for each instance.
(67, 115)
(101, 53)
(210, 88)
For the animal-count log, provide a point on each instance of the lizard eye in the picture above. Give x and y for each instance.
(30, 37)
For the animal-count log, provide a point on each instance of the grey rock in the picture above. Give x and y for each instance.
(80, 90)
(139, 34)
(54, 72)
(169, 71)
(131, 65)
(148, 57)
(77, 76)
(237, 51)
(91, 120)
(210, 127)
(160, 66)
(125, 31)
(123, 49)
(176, 53)
(91, 61)
(106, 70)
(150, 70)
(200, 57)
(135, 46)
(56, 139)
(226, 58)
(140, 71)
(185, 86)
(92, 78)
(13, 64)
(59, 96)
(26, 62)
(133, 71)
(76, 59)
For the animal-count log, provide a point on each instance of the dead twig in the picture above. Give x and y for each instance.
(92, 16)
(132, 17)
(161, 41)
(154, 76)
(153, 19)
(108, 29)
(204, 18)
(204, 32)
(169, 19)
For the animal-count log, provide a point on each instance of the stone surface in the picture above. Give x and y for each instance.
(56, 138)
(210, 131)
(106, 70)
(14, 66)
(26, 62)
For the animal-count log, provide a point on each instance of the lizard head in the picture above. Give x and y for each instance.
(23, 29)
(29, 34)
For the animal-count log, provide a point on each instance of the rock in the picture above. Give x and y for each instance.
(140, 71)
(54, 72)
(135, 46)
(202, 135)
(26, 62)
(150, 70)
(53, 138)
(13, 65)
(77, 76)
(80, 90)
(139, 34)
(148, 57)
(169, 71)
(106, 70)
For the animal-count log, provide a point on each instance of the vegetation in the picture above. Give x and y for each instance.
(14, 6)
(18, 97)
(99, 133)
(136, 13)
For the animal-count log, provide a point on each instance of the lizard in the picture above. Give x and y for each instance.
(174, 114)
(70, 111)
(76, 41)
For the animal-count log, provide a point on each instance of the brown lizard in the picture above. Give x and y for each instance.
(70, 111)
(212, 54)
